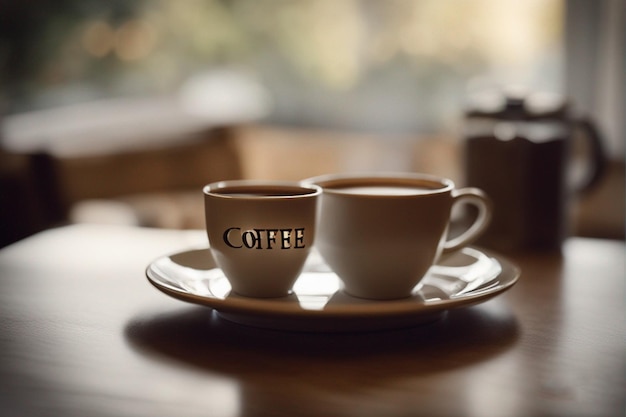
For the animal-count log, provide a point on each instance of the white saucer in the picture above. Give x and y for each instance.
(466, 277)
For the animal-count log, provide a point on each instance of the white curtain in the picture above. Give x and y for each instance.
(595, 65)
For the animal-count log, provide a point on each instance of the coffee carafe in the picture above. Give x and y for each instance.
(531, 156)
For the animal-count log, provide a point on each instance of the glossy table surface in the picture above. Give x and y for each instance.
(83, 333)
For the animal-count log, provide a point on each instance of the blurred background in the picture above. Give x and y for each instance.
(119, 111)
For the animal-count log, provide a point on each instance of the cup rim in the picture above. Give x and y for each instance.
(299, 189)
(328, 182)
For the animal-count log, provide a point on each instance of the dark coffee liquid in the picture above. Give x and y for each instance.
(263, 191)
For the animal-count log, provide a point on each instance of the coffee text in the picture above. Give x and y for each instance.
(264, 238)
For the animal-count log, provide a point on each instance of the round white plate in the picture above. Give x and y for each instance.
(317, 303)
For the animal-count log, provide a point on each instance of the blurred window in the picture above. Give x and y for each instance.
(385, 66)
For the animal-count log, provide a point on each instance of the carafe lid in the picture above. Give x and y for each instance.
(518, 106)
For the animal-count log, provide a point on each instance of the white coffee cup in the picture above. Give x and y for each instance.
(380, 233)
(261, 232)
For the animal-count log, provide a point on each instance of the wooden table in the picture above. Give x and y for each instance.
(82, 333)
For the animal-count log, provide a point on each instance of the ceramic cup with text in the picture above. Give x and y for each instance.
(261, 232)
(380, 233)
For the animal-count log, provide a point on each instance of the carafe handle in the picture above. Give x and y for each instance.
(597, 155)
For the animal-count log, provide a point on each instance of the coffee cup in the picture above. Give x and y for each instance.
(380, 233)
(261, 232)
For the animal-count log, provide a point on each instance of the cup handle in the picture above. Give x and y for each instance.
(478, 198)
